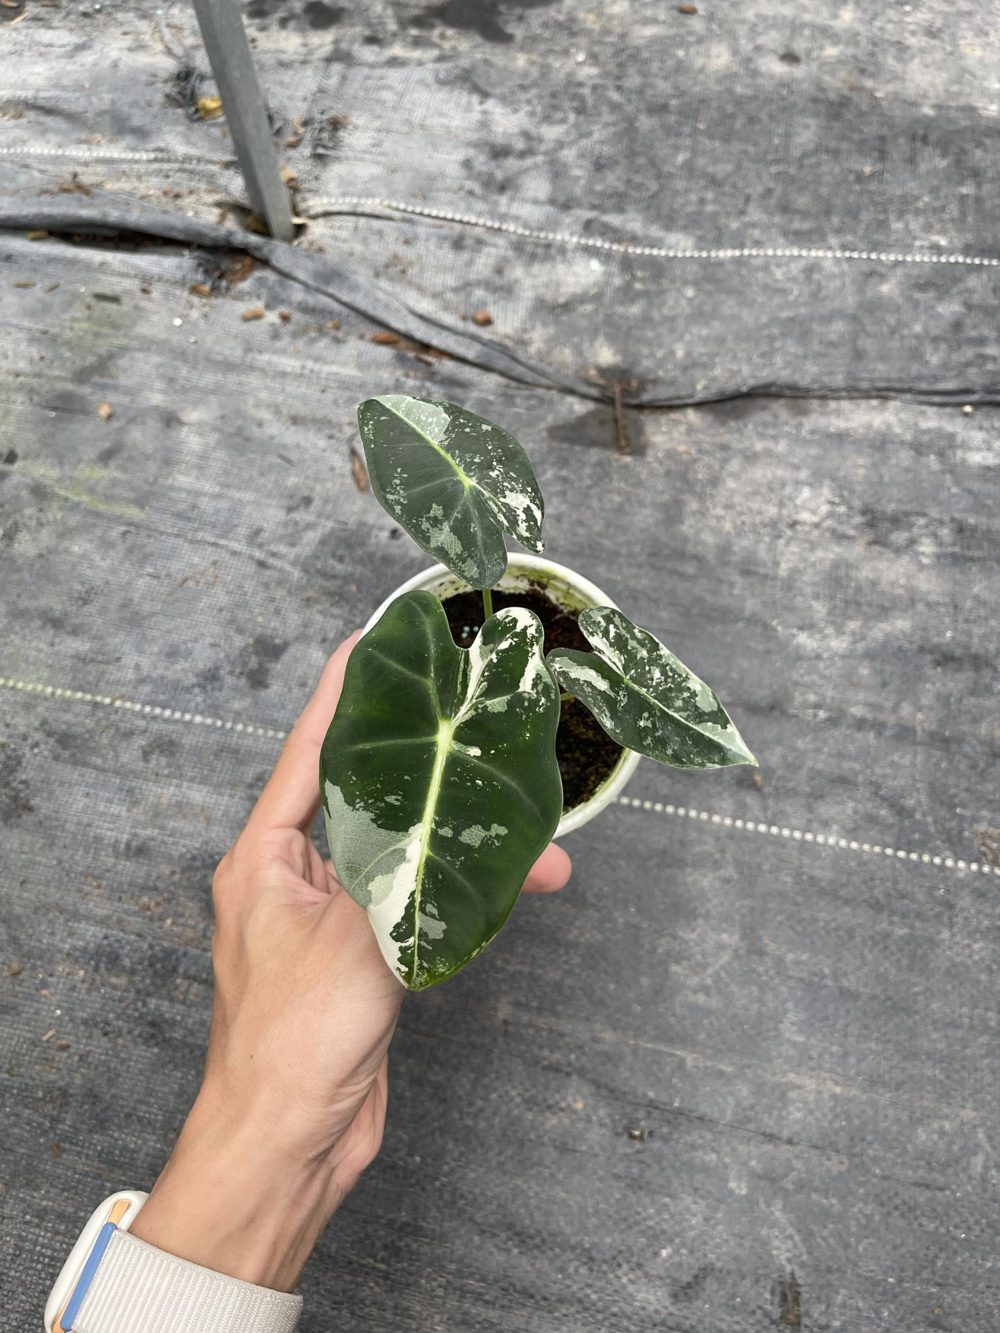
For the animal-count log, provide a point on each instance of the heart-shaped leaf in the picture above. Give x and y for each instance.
(439, 780)
(453, 480)
(645, 698)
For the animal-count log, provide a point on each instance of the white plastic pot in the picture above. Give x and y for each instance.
(567, 589)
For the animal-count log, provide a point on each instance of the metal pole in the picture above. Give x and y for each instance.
(232, 64)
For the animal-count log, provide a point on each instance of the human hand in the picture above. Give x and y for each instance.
(292, 1105)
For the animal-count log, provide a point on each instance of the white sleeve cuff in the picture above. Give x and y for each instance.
(138, 1287)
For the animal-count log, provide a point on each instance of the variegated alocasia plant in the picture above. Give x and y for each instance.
(438, 774)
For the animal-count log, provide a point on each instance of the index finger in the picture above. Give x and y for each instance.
(291, 797)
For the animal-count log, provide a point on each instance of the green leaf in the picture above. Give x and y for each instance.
(439, 781)
(645, 698)
(453, 480)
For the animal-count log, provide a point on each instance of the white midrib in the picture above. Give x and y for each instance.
(446, 730)
(470, 483)
(462, 475)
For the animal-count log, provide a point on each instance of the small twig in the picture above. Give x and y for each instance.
(359, 472)
(621, 424)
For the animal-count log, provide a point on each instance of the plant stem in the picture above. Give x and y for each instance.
(488, 602)
(566, 698)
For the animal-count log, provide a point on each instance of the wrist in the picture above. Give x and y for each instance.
(236, 1198)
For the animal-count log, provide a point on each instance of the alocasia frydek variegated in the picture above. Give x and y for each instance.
(438, 774)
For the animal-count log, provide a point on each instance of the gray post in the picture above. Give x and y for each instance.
(232, 64)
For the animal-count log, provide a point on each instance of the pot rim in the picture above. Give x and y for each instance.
(439, 576)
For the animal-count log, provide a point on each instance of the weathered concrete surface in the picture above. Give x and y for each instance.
(802, 1035)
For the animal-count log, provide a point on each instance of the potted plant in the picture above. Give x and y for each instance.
(492, 701)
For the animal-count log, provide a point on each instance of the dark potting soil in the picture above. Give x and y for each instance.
(586, 753)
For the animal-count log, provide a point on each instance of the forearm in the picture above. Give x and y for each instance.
(237, 1198)
(219, 1244)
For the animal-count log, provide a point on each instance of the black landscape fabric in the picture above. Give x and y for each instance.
(731, 277)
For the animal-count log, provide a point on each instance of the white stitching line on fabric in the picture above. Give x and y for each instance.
(781, 831)
(147, 710)
(347, 202)
(805, 835)
(119, 155)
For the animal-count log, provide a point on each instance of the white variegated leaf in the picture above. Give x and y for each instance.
(439, 781)
(453, 480)
(645, 698)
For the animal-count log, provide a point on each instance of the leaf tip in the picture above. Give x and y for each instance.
(742, 752)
